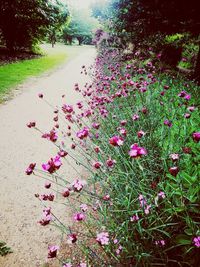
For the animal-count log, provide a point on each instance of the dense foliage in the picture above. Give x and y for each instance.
(24, 23)
(146, 23)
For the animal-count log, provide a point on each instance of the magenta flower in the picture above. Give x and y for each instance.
(116, 141)
(191, 109)
(196, 136)
(187, 115)
(161, 194)
(82, 264)
(84, 207)
(52, 251)
(30, 168)
(79, 217)
(52, 165)
(51, 136)
(97, 165)
(174, 156)
(62, 153)
(123, 122)
(67, 108)
(196, 241)
(103, 238)
(47, 185)
(83, 133)
(187, 97)
(96, 125)
(174, 171)
(140, 134)
(110, 163)
(72, 238)
(46, 219)
(160, 242)
(168, 123)
(123, 131)
(135, 117)
(40, 95)
(182, 94)
(136, 151)
(78, 185)
(31, 124)
(134, 218)
(66, 192)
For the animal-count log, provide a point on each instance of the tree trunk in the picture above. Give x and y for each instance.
(197, 67)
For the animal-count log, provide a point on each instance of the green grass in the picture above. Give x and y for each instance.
(14, 74)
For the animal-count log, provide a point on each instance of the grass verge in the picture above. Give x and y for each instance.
(15, 73)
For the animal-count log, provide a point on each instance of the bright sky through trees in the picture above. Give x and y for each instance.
(80, 4)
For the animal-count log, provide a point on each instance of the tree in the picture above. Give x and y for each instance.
(139, 20)
(24, 22)
(81, 27)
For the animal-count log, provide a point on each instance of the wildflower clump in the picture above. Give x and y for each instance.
(136, 134)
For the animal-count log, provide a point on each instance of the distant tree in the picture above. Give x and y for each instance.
(24, 22)
(80, 27)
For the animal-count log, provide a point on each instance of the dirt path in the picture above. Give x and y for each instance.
(19, 209)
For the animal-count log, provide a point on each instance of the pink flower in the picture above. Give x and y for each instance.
(123, 131)
(123, 122)
(192, 108)
(40, 95)
(110, 163)
(72, 238)
(136, 151)
(187, 115)
(67, 265)
(140, 134)
(62, 153)
(168, 123)
(147, 209)
(96, 125)
(97, 165)
(161, 195)
(51, 136)
(78, 185)
(30, 168)
(160, 242)
(174, 171)
(52, 251)
(52, 165)
(47, 185)
(135, 117)
(174, 157)
(196, 136)
(67, 108)
(46, 219)
(116, 141)
(79, 217)
(66, 192)
(196, 241)
(83, 133)
(134, 218)
(103, 238)
(84, 207)
(82, 264)
(31, 124)
(182, 94)
(187, 97)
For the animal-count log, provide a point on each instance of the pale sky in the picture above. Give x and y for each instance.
(80, 4)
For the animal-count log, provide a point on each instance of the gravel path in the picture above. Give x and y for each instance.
(19, 209)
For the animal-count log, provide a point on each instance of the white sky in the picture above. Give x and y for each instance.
(80, 4)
